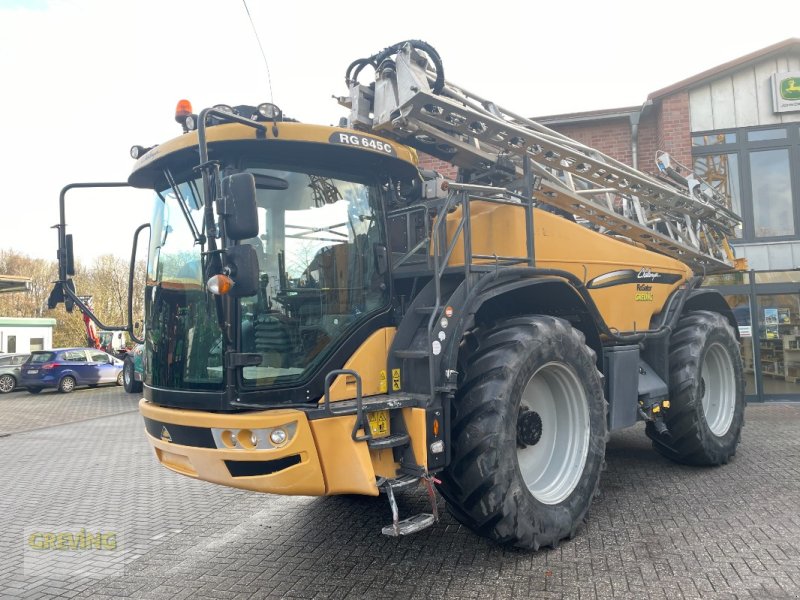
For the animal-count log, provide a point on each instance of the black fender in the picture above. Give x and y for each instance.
(527, 295)
(655, 349)
(711, 299)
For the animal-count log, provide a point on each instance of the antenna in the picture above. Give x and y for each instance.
(264, 56)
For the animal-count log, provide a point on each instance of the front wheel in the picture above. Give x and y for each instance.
(706, 411)
(128, 378)
(529, 428)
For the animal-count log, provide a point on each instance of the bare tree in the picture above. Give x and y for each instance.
(106, 281)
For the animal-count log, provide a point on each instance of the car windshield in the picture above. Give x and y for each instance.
(41, 357)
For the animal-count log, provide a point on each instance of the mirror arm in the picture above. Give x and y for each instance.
(88, 311)
(62, 225)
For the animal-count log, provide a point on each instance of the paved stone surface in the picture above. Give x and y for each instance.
(21, 411)
(657, 530)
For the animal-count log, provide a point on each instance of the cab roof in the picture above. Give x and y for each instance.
(278, 141)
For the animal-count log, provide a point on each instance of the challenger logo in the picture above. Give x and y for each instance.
(644, 277)
(165, 434)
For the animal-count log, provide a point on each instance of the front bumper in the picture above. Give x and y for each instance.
(318, 458)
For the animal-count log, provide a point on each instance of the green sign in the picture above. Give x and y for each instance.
(790, 88)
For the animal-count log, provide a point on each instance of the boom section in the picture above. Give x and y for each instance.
(411, 101)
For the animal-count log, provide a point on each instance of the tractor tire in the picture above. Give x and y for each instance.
(66, 385)
(706, 383)
(128, 379)
(7, 384)
(528, 432)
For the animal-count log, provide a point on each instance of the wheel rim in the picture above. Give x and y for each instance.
(67, 384)
(119, 379)
(553, 465)
(718, 389)
(6, 384)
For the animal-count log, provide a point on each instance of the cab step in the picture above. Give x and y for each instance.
(390, 441)
(414, 354)
(414, 523)
(400, 483)
(409, 525)
(426, 310)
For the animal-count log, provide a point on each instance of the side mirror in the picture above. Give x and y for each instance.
(241, 263)
(240, 214)
(69, 258)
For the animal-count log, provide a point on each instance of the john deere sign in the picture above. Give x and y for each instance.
(786, 91)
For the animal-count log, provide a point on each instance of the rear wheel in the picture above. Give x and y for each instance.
(119, 378)
(66, 385)
(529, 427)
(706, 411)
(7, 384)
(128, 378)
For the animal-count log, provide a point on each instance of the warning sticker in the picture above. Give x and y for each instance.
(395, 380)
(382, 385)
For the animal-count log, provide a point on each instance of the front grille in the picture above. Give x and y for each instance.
(184, 435)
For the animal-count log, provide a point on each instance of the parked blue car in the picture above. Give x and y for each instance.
(66, 368)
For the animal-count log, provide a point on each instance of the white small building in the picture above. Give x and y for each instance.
(22, 335)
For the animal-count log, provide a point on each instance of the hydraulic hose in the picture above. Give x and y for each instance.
(355, 67)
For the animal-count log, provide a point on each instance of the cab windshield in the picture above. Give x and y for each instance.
(319, 235)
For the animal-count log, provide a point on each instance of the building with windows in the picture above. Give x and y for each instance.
(22, 335)
(736, 125)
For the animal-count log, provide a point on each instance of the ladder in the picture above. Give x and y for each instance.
(411, 102)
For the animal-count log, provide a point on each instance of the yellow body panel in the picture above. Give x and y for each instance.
(369, 360)
(562, 244)
(346, 464)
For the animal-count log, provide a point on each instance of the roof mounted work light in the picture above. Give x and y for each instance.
(270, 112)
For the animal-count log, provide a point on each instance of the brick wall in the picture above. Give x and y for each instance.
(665, 127)
(610, 137)
(674, 127)
(428, 162)
(648, 143)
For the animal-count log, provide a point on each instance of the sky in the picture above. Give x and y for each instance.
(81, 81)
